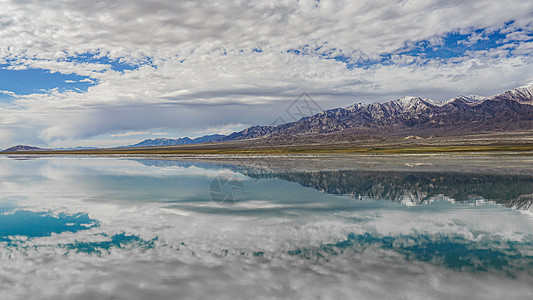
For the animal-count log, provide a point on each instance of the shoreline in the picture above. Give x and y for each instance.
(489, 163)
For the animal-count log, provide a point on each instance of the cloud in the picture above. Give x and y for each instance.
(159, 133)
(226, 129)
(9, 93)
(130, 133)
(193, 66)
(474, 38)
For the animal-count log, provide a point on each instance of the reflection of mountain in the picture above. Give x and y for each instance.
(408, 187)
(161, 163)
(514, 191)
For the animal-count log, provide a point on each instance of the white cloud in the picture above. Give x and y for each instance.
(129, 133)
(474, 38)
(226, 129)
(159, 133)
(9, 93)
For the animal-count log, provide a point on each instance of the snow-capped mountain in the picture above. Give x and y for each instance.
(470, 100)
(511, 110)
(523, 94)
(405, 116)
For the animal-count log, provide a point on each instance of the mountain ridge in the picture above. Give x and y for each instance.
(512, 109)
(173, 142)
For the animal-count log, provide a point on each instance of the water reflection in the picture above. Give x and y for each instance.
(408, 188)
(452, 251)
(148, 228)
(414, 188)
(31, 224)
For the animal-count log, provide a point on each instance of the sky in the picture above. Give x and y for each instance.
(108, 73)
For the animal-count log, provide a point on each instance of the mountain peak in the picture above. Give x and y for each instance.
(411, 103)
(407, 99)
(471, 100)
(523, 94)
(475, 98)
(355, 106)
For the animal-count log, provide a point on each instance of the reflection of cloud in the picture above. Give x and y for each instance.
(451, 251)
(121, 241)
(202, 249)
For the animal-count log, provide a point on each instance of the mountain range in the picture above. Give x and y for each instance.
(407, 116)
(511, 110)
(179, 141)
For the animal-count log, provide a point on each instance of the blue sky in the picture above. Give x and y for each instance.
(31, 81)
(112, 73)
(454, 44)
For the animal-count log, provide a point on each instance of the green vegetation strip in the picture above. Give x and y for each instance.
(297, 150)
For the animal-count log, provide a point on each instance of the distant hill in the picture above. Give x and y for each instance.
(23, 148)
(180, 141)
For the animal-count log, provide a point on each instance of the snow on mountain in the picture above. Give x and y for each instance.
(412, 103)
(523, 94)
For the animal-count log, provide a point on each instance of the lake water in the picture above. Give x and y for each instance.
(364, 227)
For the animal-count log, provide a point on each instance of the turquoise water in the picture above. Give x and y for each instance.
(20, 222)
(329, 228)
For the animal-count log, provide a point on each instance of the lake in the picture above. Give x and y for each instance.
(317, 227)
